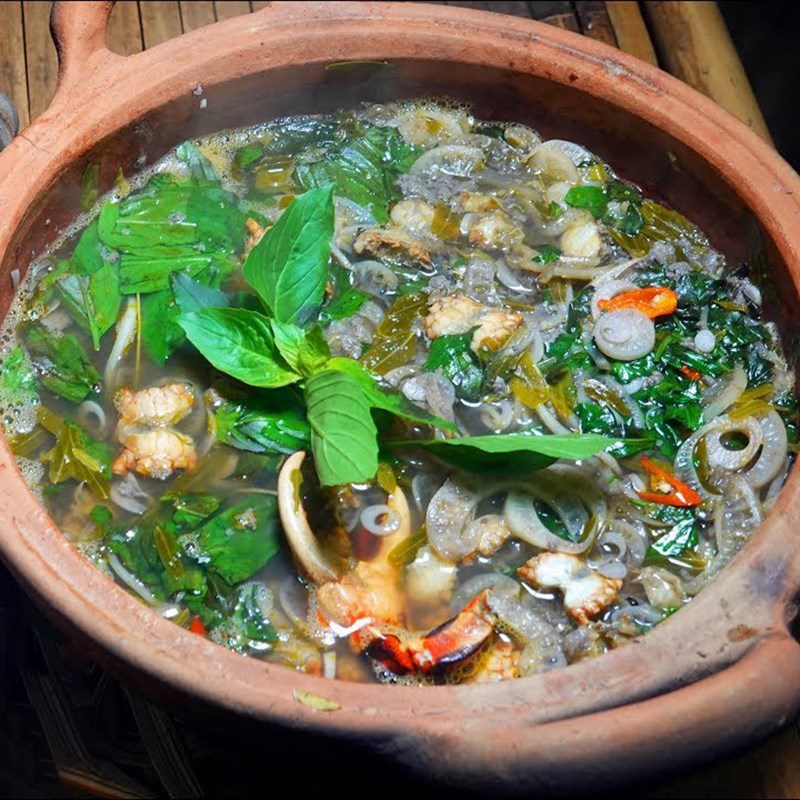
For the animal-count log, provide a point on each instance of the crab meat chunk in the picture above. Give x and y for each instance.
(414, 216)
(157, 405)
(494, 230)
(476, 203)
(395, 240)
(256, 234)
(154, 453)
(500, 662)
(457, 314)
(586, 592)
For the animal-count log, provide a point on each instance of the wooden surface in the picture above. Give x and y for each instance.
(688, 39)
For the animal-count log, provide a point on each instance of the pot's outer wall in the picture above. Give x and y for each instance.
(606, 720)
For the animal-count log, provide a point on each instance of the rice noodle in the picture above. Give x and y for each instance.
(128, 494)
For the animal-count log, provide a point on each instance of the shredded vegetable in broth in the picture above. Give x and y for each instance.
(397, 394)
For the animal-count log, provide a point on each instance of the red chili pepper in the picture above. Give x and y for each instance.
(653, 301)
(681, 494)
(691, 374)
(196, 626)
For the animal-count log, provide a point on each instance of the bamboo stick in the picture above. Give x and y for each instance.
(630, 30)
(693, 43)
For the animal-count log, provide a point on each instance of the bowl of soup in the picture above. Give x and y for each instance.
(416, 393)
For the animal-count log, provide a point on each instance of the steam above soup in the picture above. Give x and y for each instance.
(397, 394)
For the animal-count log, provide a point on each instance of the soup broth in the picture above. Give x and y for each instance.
(397, 394)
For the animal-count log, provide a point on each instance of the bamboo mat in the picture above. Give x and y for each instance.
(67, 729)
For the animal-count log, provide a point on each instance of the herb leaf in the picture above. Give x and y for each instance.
(161, 333)
(363, 169)
(62, 363)
(343, 435)
(74, 455)
(395, 340)
(238, 342)
(260, 429)
(454, 357)
(192, 295)
(288, 268)
(238, 541)
(513, 452)
(384, 399)
(306, 352)
(17, 381)
(92, 300)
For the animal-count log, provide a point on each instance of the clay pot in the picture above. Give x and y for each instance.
(720, 673)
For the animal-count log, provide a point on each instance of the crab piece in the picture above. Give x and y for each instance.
(157, 405)
(155, 453)
(586, 592)
(495, 327)
(256, 232)
(457, 314)
(475, 203)
(368, 596)
(366, 602)
(414, 216)
(495, 532)
(429, 579)
(499, 662)
(395, 240)
(495, 230)
(455, 640)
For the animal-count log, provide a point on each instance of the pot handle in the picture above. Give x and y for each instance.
(79, 33)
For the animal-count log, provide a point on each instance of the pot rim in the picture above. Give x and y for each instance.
(123, 89)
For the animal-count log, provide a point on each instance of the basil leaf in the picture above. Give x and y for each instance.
(249, 614)
(306, 352)
(383, 398)
(172, 225)
(679, 537)
(62, 363)
(260, 429)
(453, 356)
(17, 381)
(199, 166)
(343, 435)
(288, 268)
(395, 341)
(237, 542)
(192, 295)
(363, 169)
(93, 301)
(87, 256)
(239, 343)
(161, 333)
(547, 254)
(514, 451)
(343, 305)
(76, 456)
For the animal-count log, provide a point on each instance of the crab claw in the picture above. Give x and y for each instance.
(455, 640)
(301, 538)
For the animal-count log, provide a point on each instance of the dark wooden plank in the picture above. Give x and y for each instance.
(257, 5)
(559, 13)
(630, 30)
(231, 8)
(594, 21)
(125, 29)
(13, 80)
(161, 21)
(499, 7)
(196, 13)
(40, 56)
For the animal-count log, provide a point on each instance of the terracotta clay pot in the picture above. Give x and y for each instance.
(720, 673)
